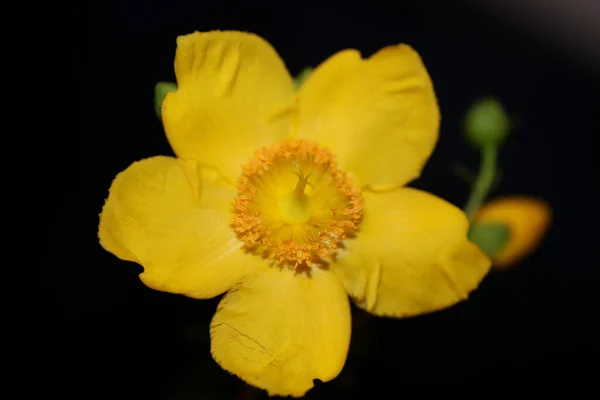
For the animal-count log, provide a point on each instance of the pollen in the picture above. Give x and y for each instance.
(295, 206)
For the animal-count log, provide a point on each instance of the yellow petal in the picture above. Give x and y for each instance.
(378, 115)
(279, 330)
(411, 255)
(234, 95)
(173, 218)
(527, 218)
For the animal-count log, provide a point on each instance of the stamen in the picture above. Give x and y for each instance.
(282, 216)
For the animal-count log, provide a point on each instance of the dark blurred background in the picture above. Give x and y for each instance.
(533, 324)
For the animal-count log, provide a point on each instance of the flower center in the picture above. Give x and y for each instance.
(294, 205)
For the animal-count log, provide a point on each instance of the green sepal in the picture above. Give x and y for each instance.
(160, 91)
(490, 238)
(301, 77)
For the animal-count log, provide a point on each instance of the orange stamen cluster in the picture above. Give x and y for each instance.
(313, 245)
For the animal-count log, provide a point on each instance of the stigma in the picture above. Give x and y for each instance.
(294, 205)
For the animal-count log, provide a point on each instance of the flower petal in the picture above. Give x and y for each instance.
(378, 115)
(410, 256)
(279, 330)
(527, 219)
(234, 95)
(173, 218)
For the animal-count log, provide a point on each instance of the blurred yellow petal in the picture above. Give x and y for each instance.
(378, 115)
(411, 255)
(280, 329)
(234, 95)
(173, 218)
(528, 220)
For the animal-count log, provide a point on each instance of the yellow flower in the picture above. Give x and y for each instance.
(288, 201)
(527, 219)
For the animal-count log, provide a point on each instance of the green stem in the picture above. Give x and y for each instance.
(485, 180)
(463, 172)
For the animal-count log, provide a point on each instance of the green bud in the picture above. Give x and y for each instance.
(490, 238)
(486, 123)
(160, 91)
(299, 80)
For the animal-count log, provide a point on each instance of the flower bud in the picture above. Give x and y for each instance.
(486, 123)
(527, 219)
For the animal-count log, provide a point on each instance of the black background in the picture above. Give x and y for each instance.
(533, 324)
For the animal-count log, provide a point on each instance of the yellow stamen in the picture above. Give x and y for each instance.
(281, 215)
